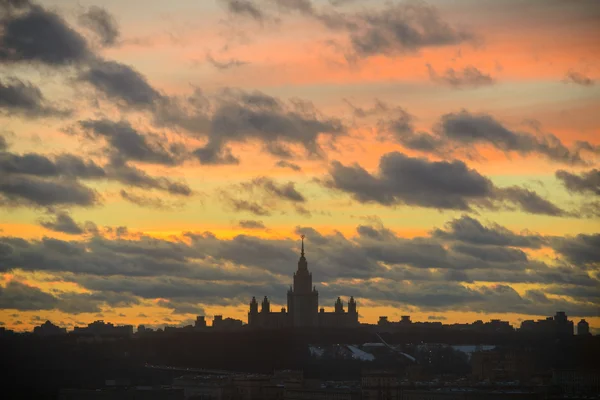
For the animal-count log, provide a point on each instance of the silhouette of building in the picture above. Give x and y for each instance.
(302, 306)
(200, 322)
(49, 329)
(227, 323)
(583, 328)
(102, 329)
(559, 325)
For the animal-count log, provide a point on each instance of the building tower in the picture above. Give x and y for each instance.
(253, 313)
(303, 298)
(583, 328)
(352, 305)
(266, 306)
(339, 306)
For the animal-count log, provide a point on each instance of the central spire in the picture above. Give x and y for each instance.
(302, 252)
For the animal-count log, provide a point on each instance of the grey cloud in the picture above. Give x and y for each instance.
(286, 191)
(287, 164)
(469, 230)
(130, 175)
(102, 23)
(432, 184)
(64, 223)
(586, 182)
(469, 76)
(582, 250)
(130, 144)
(17, 189)
(34, 34)
(121, 83)
(252, 207)
(467, 129)
(64, 165)
(3, 143)
(529, 201)
(578, 78)
(146, 201)
(24, 98)
(491, 253)
(251, 224)
(244, 8)
(21, 297)
(413, 181)
(225, 65)
(180, 307)
(242, 116)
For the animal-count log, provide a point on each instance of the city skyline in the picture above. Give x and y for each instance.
(161, 161)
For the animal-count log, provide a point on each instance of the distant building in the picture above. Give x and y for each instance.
(583, 328)
(49, 329)
(103, 329)
(559, 325)
(200, 322)
(302, 306)
(578, 382)
(226, 324)
(380, 385)
(122, 393)
(500, 365)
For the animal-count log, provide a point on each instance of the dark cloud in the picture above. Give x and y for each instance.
(63, 223)
(34, 34)
(3, 143)
(396, 29)
(31, 190)
(244, 8)
(180, 307)
(581, 250)
(102, 23)
(529, 201)
(287, 164)
(243, 116)
(130, 144)
(469, 230)
(225, 65)
(146, 201)
(262, 196)
(19, 296)
(578, 78)
(122, 83)
(468, 129)
(130, 175)
(401, 179)
(460, 132)
(63, 165)
(413, 181)
(586, 182)
(467, 77)
(252, 224)
(24, 98)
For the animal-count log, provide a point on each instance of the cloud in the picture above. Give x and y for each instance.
(102, 23)
(243, 116)
(130, 175)
(146, 201)
(121, 83)
(431, 184)
(30, 190)
(578, 78)
(129, 144)
(262, 196)
(251, 224)
(24, 98)
(244, 8)
(34, 34)
(63, 165)
(465, 128)
(63, 223)
(586, 182)
(287, 164)
(225, 65)
(581, 250)
(461, 132)
(469, 230)
(18, 296)
(469, 76)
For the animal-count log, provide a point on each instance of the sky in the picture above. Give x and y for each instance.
(160, 160)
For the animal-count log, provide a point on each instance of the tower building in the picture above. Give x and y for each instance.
(302, 306)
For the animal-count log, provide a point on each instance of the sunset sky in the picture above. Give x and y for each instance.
(160, 159)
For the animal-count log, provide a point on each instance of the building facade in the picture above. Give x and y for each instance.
(302, 306)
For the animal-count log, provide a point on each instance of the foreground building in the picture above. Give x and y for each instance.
(302, 306)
